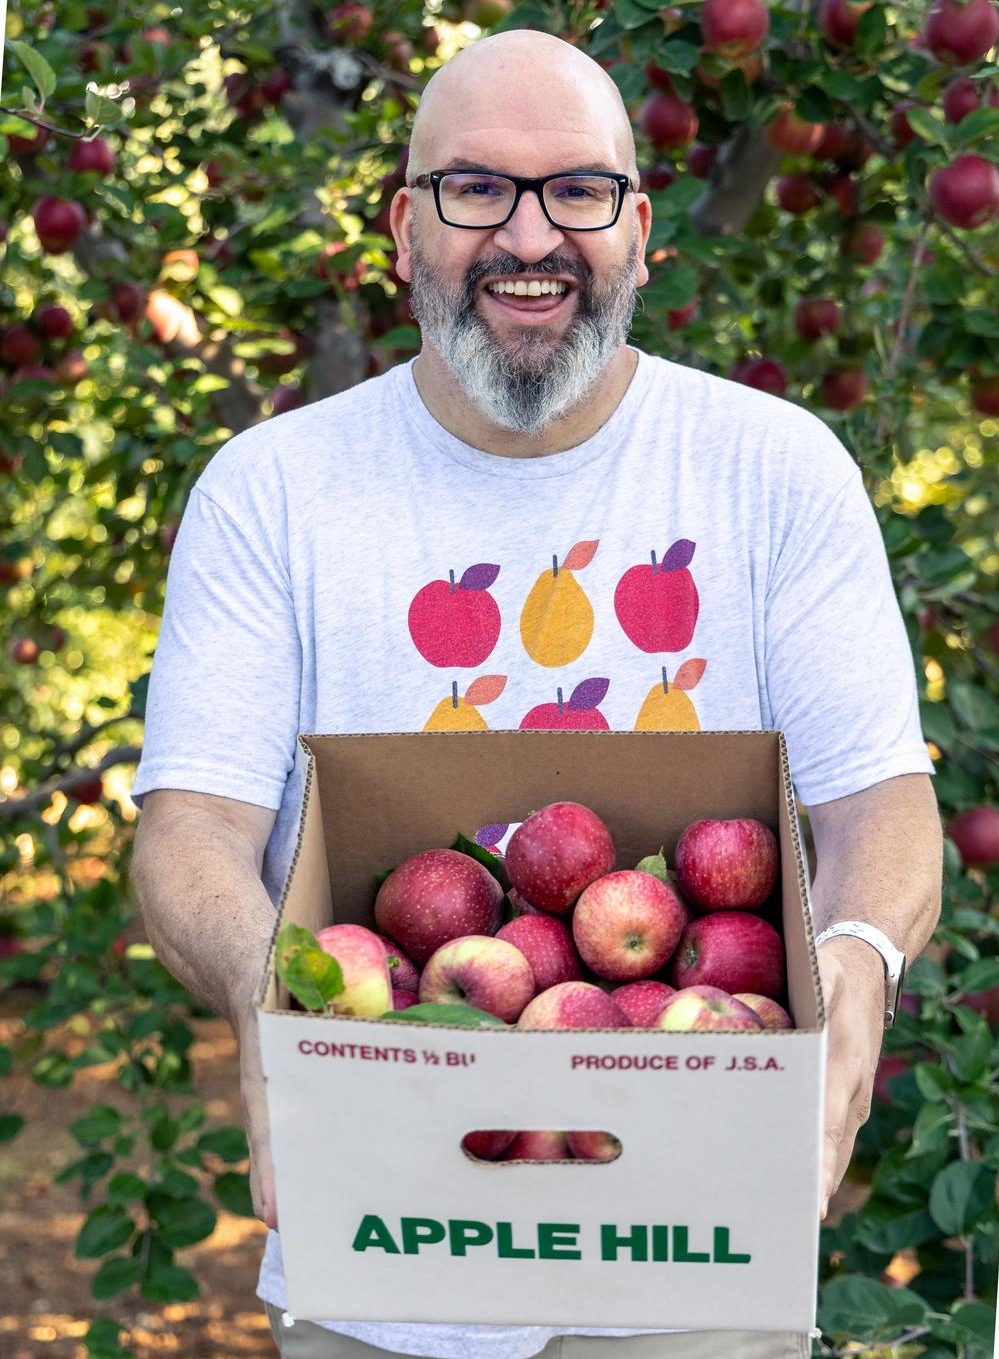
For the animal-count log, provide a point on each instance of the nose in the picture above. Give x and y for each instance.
(528, 234)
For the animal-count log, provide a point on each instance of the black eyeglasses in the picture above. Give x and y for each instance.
(481, 201)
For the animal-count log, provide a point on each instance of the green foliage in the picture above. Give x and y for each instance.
(236, 259)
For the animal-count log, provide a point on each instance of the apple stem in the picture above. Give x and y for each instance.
(454, 693)
(655, 565)
(451, 574)
(665, 684)
(554, 563)
(559, 696)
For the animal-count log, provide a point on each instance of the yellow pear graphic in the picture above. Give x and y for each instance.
(459, 712)
(666, 706)
(556, 622)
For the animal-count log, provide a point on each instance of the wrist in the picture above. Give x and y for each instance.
(864, 949)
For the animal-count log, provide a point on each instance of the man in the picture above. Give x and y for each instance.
(526, 426)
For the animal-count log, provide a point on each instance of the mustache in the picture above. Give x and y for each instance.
(503, 263)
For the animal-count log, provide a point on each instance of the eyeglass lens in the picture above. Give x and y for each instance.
(572, 201)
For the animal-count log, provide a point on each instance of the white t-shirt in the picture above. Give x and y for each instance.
(709, 537)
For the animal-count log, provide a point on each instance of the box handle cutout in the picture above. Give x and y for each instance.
(541, 1144)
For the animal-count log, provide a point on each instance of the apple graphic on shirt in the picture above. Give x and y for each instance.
(556, 622)
(657, 604)
(666, 706)
(580, 713)
(456, 623)
(460, 712)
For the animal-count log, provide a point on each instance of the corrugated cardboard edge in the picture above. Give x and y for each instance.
(803, 884)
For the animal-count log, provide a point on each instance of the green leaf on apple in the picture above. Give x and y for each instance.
(655, 864)
(476, 851)
(440, 1012)
(309, 973)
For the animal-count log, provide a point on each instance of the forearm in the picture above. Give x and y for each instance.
(879, 858)
(196, 873)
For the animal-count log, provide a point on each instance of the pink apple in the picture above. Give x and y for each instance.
(538, 1144)
(735, 950)
(367, 987)
(578, 713)
(976, 834)
(727, 865)
(595, 1145)
(733, 28)
(402, 1000)
(546, 942)
(643, 1001)
(556, 852)
(482, 971)
(657, 605)
(573, 1005)
(707, 1009)
(772, 1014)
(627, 924)
(456, 623)
(487, 1144)
(961, 31)
(434, 896)
(403, 971)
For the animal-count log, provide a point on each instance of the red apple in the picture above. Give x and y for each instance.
(71, 368)
(349, 22)
(976, 834)
(679, 317)
(546, 942)
(961, 31)
(668, 121)
(984, 392)
(733, 28)
(701, 160)
(20, 345)
(579, 713)
(627, 924)
(864, 243)
(128, 301)
(657, 605)
(479, 970)
(488, 1144)
(58, 224)
(23, 650)
(86, 792)
(792, 133)
(456, 623)
(367, 986)
(838, 20)
(556, 852)
(286, 397)
(816, 316)
(727, 864)
(966, 192)
(735, 950)
(841, 389)
(53, 322)
(643, 1001)
(899, 125)
(766, 375)
(403, 971)
(538, 1145)
(797, 194)
(434, 896)
(402, 1000)
(92, 155)
(573, 1005)
(707, 1009)
(593, 1145)
(772, 1014)
(960, 97)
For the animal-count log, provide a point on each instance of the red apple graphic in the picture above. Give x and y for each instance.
(456, 623)
(657, 605)
(579, 714)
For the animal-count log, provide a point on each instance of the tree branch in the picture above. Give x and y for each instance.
(14, 808)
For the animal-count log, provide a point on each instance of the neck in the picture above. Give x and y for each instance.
(448, 403)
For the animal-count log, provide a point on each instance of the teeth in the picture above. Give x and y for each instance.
(535, 288)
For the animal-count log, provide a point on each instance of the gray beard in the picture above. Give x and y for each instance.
(528, 384)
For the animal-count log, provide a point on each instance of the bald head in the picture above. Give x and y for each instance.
(517, 84)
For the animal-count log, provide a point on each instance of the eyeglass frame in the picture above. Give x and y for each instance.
(522, 185)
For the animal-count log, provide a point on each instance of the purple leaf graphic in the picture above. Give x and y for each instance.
(480, 577)
(587, 694)
(487, 836)
(679, 555)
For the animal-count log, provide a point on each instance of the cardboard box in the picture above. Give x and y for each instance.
(708, 1219)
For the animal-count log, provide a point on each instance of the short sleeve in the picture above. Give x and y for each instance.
(840, 676)
(223, 709)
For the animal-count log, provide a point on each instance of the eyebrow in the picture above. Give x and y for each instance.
(470, 167)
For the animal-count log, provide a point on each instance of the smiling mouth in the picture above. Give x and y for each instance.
(534, 288)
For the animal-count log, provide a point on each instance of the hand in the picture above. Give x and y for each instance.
(251, 1078)
(853, 986)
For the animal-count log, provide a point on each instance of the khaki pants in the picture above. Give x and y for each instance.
(303, 1340)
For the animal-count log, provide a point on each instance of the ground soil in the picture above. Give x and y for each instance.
(45, 1302)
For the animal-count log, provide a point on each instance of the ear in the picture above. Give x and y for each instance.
(643, 226)
(401, 224)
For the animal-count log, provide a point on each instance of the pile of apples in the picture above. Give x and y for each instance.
(590, 946)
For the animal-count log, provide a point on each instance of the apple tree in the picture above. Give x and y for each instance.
(193, 238)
